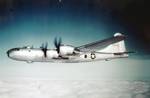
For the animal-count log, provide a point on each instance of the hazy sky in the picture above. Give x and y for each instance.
(32, 22)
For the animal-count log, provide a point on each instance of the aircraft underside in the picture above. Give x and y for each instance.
(83, 57)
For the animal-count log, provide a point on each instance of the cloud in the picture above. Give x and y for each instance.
(26, 88)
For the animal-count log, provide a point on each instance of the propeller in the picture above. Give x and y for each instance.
(57, 43)
(44, 48)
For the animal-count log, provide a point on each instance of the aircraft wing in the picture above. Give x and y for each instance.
(94, 46)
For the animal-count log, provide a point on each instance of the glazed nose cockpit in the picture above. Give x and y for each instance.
(9, 52)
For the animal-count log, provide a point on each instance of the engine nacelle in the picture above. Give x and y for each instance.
(66, 50)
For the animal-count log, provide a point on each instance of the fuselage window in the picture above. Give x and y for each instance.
(85, 56)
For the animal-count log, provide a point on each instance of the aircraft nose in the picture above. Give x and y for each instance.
(11, 50)
(8, 53)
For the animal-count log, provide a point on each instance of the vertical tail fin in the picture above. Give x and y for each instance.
(118, 47)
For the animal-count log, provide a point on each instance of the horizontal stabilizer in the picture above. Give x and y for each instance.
(117, 53)
(121, 53)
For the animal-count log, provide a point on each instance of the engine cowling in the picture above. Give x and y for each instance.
(66, 50)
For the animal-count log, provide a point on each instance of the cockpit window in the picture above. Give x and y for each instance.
(27, 47)
(15, 49)
(24, 47)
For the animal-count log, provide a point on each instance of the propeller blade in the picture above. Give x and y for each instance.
(57, 43)
(42, 46)
(46, 45)
(60, 41)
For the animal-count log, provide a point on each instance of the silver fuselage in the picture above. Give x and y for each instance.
(37, 55)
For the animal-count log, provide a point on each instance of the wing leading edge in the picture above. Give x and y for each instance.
(94, 46)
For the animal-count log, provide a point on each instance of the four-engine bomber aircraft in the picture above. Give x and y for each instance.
(106, 49)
